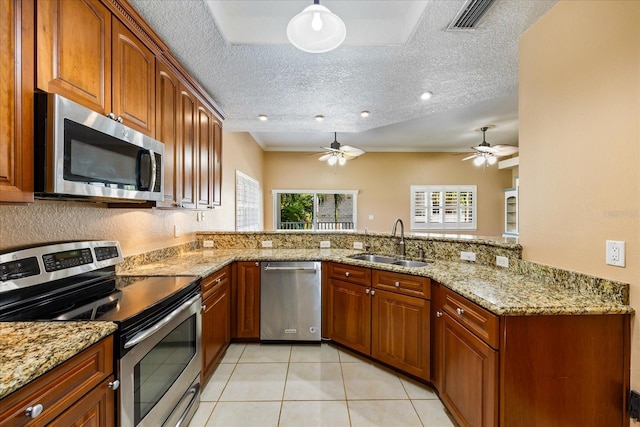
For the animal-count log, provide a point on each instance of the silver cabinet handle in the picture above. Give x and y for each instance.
(373, 292)
(346, 274)
(397, 284)
(34, 411)
(111, 116)
(204, 307)
(113, 385)
(460, 311)
(366, 291)
(257, 264)
(218, 280)
(119, 119)
(143, 335)
(438, 314)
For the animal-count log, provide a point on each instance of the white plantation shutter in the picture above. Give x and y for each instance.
(248, 203)
(445, 207)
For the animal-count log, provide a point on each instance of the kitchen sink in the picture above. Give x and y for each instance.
(383, 259)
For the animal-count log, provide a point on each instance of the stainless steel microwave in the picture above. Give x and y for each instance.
(81, 154)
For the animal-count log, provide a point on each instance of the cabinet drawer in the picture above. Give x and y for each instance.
(60, 388)
(402, 283)
(215, 281)
(479, 321)
(349, 273)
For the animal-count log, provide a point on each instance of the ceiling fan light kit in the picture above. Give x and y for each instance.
(339, 154)
(486, 154)
(316, 29)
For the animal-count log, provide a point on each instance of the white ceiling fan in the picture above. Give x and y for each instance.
(337, 153)
(487, 154)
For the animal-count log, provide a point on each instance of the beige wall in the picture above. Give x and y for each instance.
(580, 141)
(138, 230)
(384, 180)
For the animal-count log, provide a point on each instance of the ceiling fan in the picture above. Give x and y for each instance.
(337, 153)
(487, 154)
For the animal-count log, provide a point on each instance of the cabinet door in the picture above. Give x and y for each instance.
(217, 162)
(205, 166)
(74, 51)
(187, 147)
(349, 311)
(469, 376)
(167, 118)
(400, 332)
(215, 327)
(246, 301)
(16, 101)
(133, 80)
(95, 409)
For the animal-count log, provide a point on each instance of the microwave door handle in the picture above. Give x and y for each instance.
(152, 180)
(143, 335)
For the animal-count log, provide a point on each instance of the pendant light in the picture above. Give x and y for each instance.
(316, 29)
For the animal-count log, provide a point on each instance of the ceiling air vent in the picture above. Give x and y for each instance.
(470, 14)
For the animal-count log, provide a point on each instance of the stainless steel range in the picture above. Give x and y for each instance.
(159, 322)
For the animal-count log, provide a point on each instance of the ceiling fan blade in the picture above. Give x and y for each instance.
(505, 150)
(470, 157)
(485, 149)
(333, 150)
(352, 150)
(325, 157)
(350, 156)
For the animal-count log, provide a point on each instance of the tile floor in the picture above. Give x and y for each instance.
(312, 385)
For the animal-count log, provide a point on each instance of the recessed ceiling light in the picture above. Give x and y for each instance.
(319, 117)
(263, 117)
(364, 113)
(426, 96)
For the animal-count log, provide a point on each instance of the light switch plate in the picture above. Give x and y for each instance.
(207, 243)
(468, 256)
(358, 245)
(615, 253)
(502, 261)
(267, 244)
(325, 244)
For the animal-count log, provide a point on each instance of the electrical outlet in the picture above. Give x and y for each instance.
(325, 244)
(502, 261)
(468, 256)
(358, 245)
(267, 244)
(207, 243)
(615, 253)
(176, 233)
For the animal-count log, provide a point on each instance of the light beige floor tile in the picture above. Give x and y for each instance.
(349, 357)
(256, 381)
(314, 414)
(218, 380)
(417, 390)
(396, 413)
(245, 414)
(234, 351)
(202, 414)
(364, 381)
(314, 353)
(314, 381)
(432, 413)
(266, 353)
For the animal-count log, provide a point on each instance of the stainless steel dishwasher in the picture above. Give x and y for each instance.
(290, 303)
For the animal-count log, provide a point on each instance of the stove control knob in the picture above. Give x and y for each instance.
(34, 411)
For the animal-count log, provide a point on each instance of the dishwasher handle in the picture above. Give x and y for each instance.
(268, 267)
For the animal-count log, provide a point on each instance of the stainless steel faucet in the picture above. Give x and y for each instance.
(401, 250)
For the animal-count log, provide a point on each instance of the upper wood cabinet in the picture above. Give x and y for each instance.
(188, 107)
(133, 84)
(90, 57)
(16, 100)
(205, 146)
(217, 162)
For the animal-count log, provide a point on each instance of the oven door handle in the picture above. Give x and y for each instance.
(143, 335)
(193, 390)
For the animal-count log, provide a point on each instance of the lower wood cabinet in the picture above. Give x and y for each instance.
(349, 311)
(216, 324)
(76, 393)
(245, 301)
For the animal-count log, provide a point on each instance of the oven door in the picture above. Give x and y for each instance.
(160, 374)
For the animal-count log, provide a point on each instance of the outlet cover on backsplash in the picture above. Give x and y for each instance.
(325, 244)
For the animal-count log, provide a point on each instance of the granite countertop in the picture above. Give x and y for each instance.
(30, 349)
(496, 289)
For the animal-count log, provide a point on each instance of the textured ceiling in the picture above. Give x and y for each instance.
(251, 70)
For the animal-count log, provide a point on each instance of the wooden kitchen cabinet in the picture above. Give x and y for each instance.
(16, 100)
(217, 162)
(216, 322)
(349, 311)
(87, 55)
(245, 301)
(205, 156)
(75, 393)
(400, 327)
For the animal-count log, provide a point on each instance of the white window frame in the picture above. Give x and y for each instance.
(276, 207)
(248, 203)
(459, 224)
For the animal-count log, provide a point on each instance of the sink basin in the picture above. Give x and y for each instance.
(375, 258)
(383, 259)
(408, 263)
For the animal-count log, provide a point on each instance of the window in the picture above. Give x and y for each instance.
(444, 207)
(248, 206)
(315, 210)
